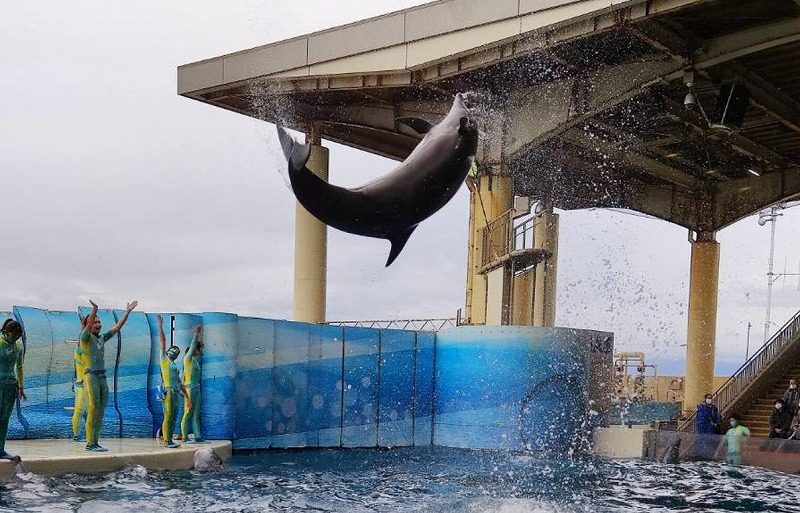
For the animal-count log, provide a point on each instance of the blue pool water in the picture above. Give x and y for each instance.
(421, 479)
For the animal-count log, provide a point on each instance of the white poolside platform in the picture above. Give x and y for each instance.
(55, 457)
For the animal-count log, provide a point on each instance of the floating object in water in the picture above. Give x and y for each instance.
(392, 206)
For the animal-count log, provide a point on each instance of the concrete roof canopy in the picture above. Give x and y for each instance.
(590, 95)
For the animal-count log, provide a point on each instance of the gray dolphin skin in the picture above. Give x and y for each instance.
(392, 206)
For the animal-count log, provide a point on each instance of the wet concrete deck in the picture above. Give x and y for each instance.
(56, 457)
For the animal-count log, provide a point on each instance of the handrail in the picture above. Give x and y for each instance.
(496, 240)
(503, 236)
(751, 369)
(402, 324)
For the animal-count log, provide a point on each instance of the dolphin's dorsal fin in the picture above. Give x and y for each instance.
(398, 241)
(418, 125)
(297, 154)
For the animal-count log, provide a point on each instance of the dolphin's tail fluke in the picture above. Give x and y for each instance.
(398, 241)
(296, 154)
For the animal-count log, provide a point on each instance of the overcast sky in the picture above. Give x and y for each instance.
(117, 188)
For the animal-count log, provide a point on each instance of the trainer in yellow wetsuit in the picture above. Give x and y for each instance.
(172, 385)
(12, 355)
(95, 385)
(192, 377)
(80, 395)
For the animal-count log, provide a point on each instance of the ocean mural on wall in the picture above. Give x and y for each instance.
(276, 383)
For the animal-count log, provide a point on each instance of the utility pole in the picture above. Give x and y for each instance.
(747, 347)
(764, 218)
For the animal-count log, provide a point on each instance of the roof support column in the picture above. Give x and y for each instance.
(701, 334)
(491, 195)
(311, 247)
(545, 236)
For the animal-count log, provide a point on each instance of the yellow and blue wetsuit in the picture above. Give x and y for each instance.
(171, 383)
(11, 379)
(192, 376)
(80, 395)
(95, 385)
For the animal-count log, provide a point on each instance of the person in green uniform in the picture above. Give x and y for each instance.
(171, 384)
(95, 385)
(734, 438)
(12, 355)
(192, 376)
(79, 411)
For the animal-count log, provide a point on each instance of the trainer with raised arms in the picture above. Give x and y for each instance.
(93, 343)
(192, 378)
(172, 386)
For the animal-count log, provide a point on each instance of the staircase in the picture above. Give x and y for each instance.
(752, 390)
(756, 417)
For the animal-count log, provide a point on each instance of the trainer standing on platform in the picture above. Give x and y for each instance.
(79, 410)
(192, 377)
(172, 385)
(93, 345)
(12, 355)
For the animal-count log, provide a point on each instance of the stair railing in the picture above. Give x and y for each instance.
(752, 369)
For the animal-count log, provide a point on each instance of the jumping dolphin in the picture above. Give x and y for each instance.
(392, 206)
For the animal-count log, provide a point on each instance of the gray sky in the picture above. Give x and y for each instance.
(117, 188)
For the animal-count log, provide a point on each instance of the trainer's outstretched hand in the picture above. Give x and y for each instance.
(131, 305)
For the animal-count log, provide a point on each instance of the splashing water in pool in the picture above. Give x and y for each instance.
(441, 480)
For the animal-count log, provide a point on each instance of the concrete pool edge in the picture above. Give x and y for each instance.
(53, 457)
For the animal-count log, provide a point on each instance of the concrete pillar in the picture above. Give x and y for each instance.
(492, 195)
(522, 305)
(311, 248)
(545, 236)
(701, 336)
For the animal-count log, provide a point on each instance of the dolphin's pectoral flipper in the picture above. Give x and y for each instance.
(297, 154)
(398, 241)
(418, 125)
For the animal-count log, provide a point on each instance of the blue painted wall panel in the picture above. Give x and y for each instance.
(396, 396)
(255, 352)
(424, 387)
(359, 422)
(284, 384)
(218, 413)
(131, 376)
(65, 328)
(510, 388)
(290, 384)
(324, 419)
(45, 419)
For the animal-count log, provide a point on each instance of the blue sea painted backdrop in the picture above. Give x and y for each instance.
(274, 383)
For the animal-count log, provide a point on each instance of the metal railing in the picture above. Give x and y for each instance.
(402, 324)
(497, 241)
(502, 236)
(752, 369)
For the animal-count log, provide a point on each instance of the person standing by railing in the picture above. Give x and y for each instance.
(707, 419)
(792, 397)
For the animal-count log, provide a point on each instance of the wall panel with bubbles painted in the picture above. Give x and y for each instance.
(514, 388)
(271, 383)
